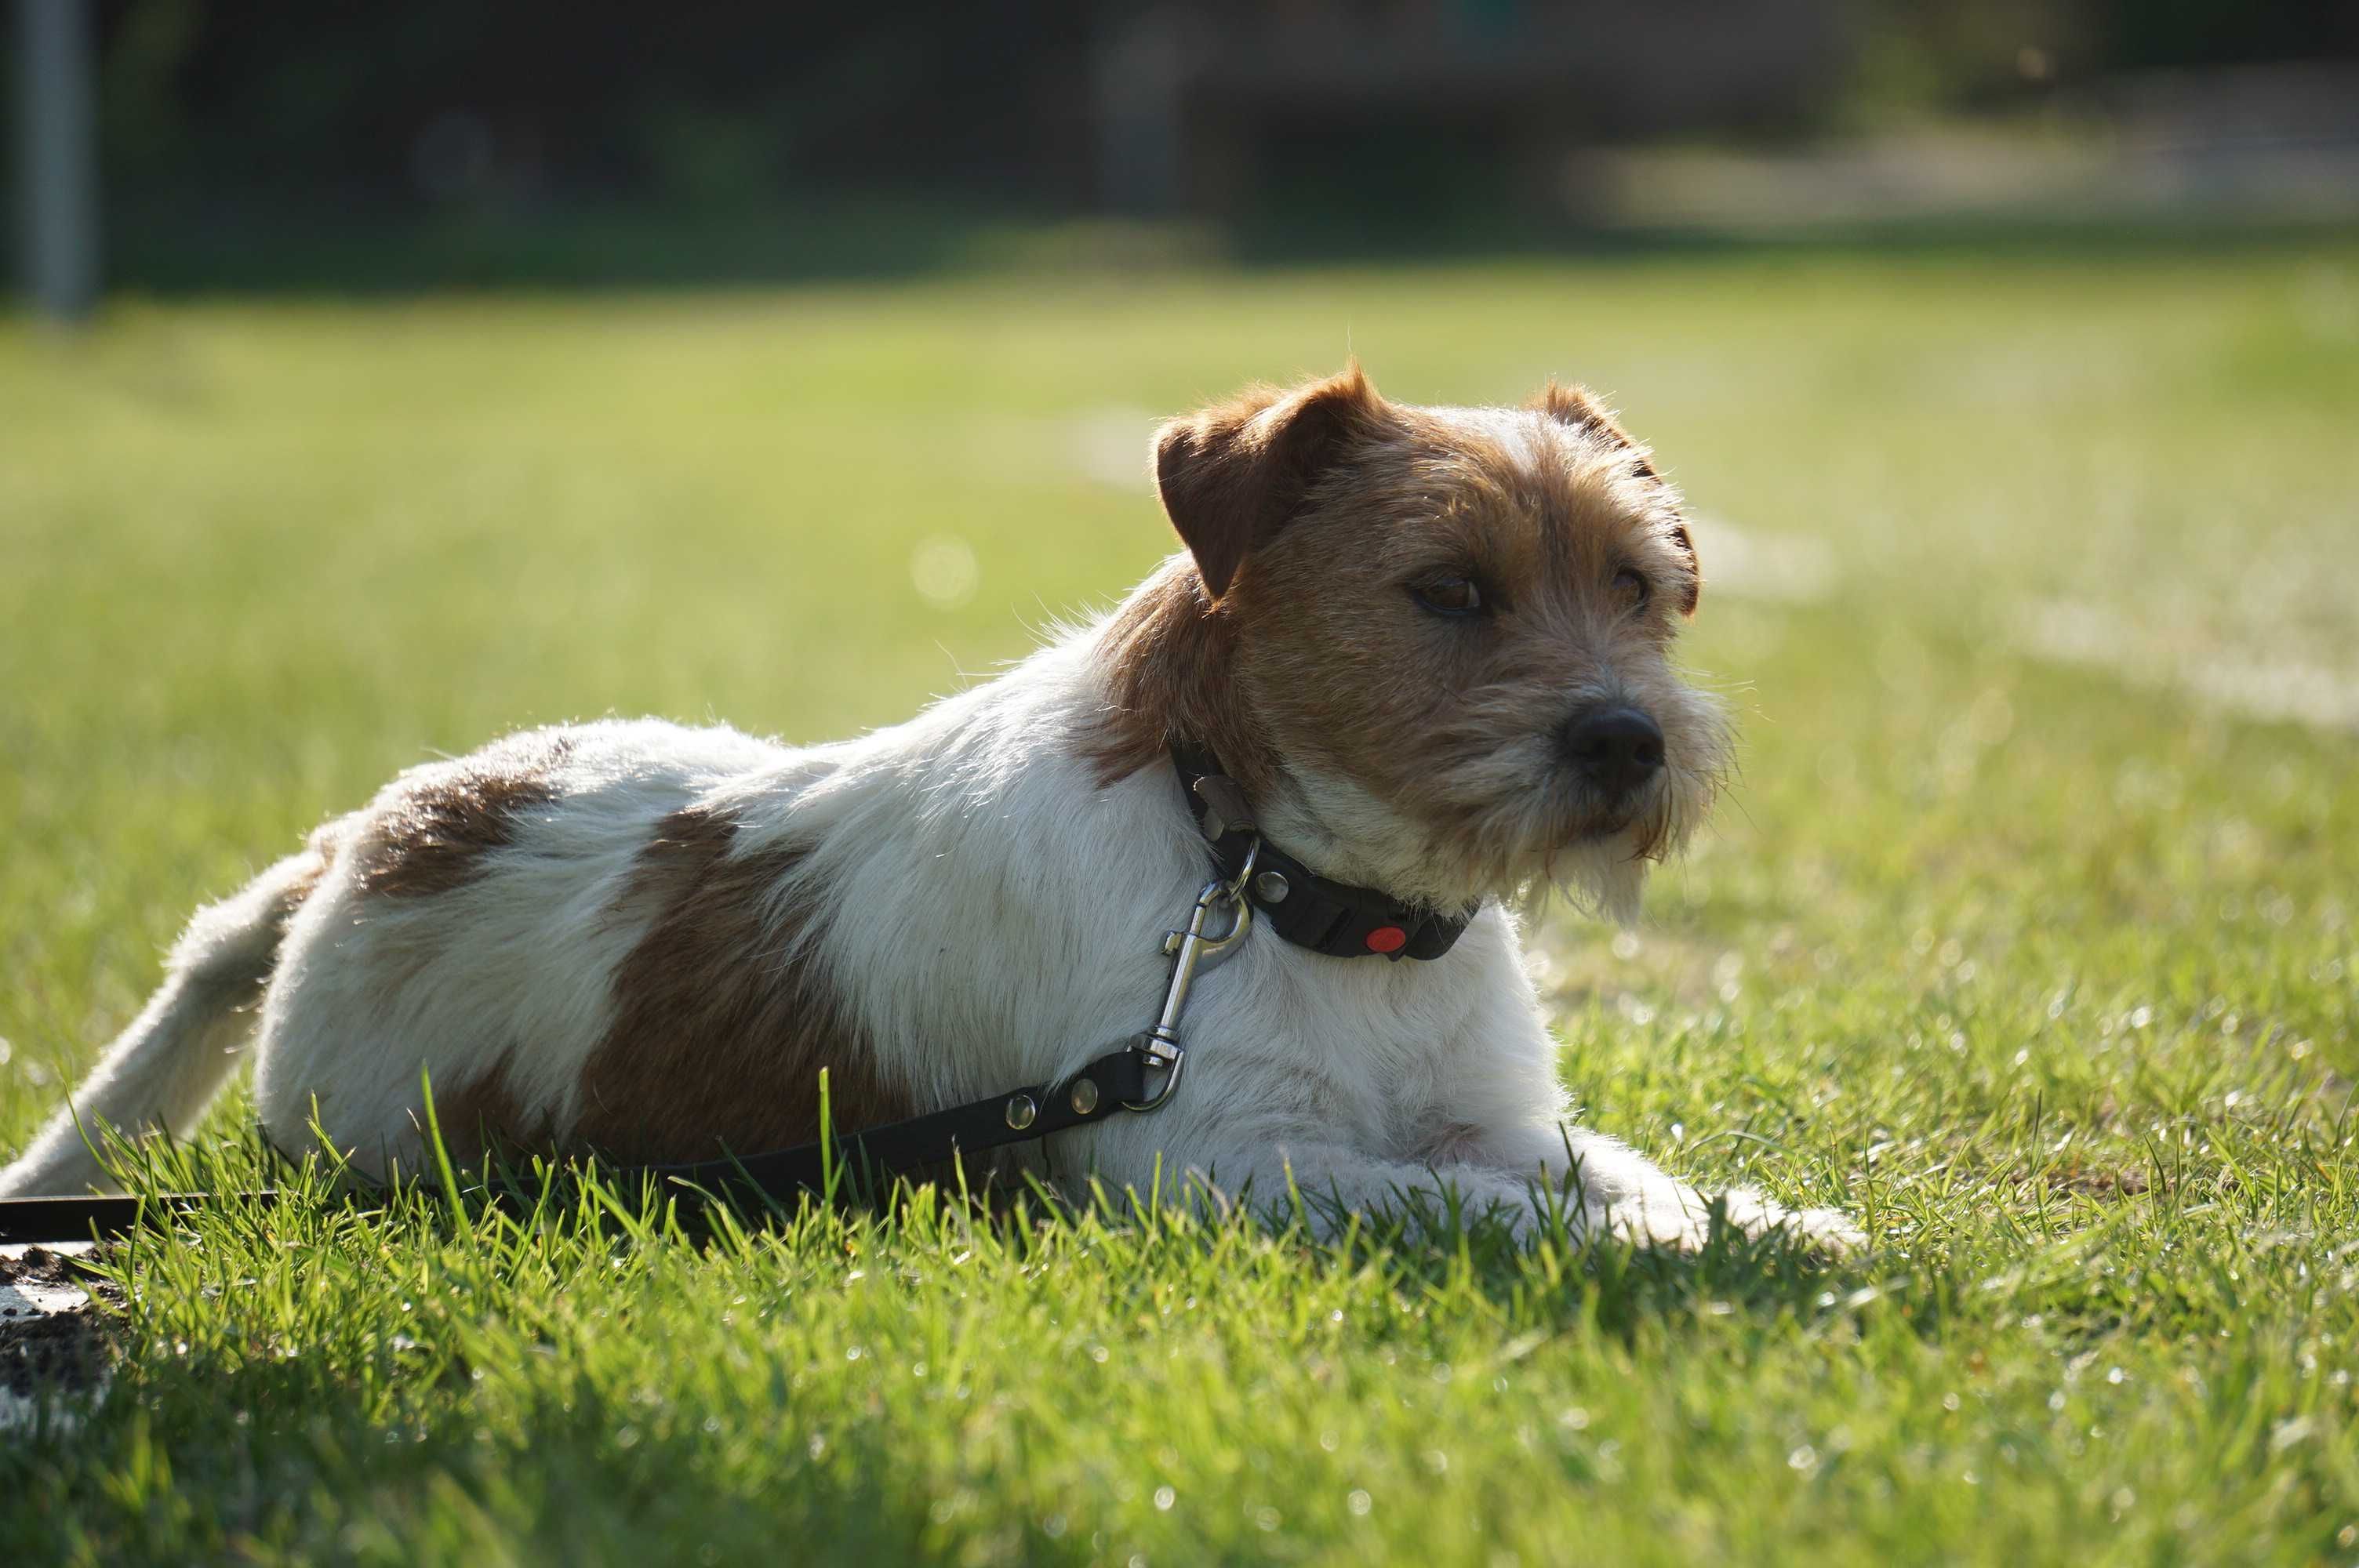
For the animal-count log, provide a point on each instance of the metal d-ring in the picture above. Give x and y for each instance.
(1193, 949)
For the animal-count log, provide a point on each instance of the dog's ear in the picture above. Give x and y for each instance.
(1692, 594)
(1577, 407)
(1232, 475)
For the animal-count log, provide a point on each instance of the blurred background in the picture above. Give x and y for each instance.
(389, 377)
(445, 368)
(272, 143)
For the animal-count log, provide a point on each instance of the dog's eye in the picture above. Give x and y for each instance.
(1631, 587)
(1449, 596)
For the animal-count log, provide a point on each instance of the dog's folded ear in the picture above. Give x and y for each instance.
(1233, 475)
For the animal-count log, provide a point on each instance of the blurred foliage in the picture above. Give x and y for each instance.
(1922, 55)
(272, 143)
(440, 103)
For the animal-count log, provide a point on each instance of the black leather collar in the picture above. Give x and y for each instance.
(1307, 908)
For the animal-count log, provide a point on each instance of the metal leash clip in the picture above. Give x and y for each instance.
(1191, 950)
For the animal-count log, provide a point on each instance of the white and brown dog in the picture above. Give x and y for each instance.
(1431, 645)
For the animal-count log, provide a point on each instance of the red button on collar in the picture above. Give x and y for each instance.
(1387, 939)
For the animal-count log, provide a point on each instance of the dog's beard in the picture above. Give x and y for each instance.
(1516, 822)
(1548, 839)
(1488, 808)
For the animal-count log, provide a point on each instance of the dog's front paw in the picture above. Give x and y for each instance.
(1678, 1218)
(1828, 1232)
(1669, 1215)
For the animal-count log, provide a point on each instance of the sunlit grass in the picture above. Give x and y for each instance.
(2038, 957)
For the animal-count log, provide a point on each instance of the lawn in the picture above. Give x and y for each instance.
(2026, 934)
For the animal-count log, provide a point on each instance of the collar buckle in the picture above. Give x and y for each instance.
(1334, 919)
(1197, 948)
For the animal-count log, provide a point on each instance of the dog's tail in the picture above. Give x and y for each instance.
(162, 1071)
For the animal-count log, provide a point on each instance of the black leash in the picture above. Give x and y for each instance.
(856, 1161)
(1116, 1081)
(1139, 1078)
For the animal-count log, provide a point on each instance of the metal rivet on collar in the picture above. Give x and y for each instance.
(1271, 887)
(1085, 1096)
(1020, 1112)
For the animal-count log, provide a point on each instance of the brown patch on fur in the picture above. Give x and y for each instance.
(486, 1118)
(1449, 1144)
(431, 831)
(1313, 657)
(1358, 680)
(1232, 475)
(1693, 594)
(722, 1023)
(1579, 407)
(1167, 657)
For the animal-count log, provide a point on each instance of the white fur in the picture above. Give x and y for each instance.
(995, 918)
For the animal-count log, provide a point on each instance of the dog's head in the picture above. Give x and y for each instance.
(1438, 639)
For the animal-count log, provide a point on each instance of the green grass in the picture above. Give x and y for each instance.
(2044, 966)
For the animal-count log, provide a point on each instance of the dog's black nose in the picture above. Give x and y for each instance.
(1616, 748)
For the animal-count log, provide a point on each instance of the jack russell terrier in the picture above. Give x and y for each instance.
(1412, 663)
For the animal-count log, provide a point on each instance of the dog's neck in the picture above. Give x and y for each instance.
(1351, 836)
(1167, 662)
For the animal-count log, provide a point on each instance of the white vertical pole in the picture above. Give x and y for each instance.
(59, 138)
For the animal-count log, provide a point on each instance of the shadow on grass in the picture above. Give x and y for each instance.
(201, 1457)
(410, 1373)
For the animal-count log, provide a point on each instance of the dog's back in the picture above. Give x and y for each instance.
(645, 941)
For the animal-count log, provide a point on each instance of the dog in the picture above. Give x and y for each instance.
(1428, 649)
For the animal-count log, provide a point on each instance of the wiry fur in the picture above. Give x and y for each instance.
(646, 940)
